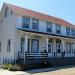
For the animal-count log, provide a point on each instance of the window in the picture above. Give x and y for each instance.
(22, 44)
(8, 45)
(72, 32)
(58, 29)
(6, 10)
(67, 30)
(25, 22)
(0, 46)
(49, 27)
(68, 48)
(50, 45)
(35, 24)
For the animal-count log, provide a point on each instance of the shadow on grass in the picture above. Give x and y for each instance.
(50, 69)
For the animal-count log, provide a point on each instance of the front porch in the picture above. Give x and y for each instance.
(41, 47)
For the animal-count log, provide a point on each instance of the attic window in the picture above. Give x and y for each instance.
(6, 10)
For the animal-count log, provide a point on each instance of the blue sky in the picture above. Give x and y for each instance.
(64, 9)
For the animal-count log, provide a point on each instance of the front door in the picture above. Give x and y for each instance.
(58, 48)
(35, 45)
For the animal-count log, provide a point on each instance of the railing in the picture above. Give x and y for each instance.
(36, 55)
(20, 54)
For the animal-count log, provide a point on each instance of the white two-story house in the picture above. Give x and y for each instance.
(29, 35)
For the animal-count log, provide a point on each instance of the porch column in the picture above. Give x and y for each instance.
(63, 45)
(47, 43)
(26, 45)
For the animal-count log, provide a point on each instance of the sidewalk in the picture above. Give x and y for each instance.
(6, 72)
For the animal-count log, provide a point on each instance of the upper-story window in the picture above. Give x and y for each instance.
(72, 31)
(67, 30)
(35, 24)
(58, 29)
(25, 22)
(6, 10)
(49, 27)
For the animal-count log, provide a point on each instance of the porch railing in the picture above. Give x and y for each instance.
(36, 55)
(32, 55)
(21, 54)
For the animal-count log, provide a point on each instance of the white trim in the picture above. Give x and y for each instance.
(26, 45)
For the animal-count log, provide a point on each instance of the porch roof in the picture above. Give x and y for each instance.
(38, 32)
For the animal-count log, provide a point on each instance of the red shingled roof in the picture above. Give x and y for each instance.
(24, 11)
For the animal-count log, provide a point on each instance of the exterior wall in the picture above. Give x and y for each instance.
(42, 26)
(7, 31)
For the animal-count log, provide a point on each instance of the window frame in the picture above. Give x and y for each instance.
(35, 24)
(67, 30)
(72, 31)
(58, 28)
(24, 23)
(49, 27)
(50, 45)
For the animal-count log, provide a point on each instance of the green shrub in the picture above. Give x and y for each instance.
(7, 66)
(23, 67)
(17, 67)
